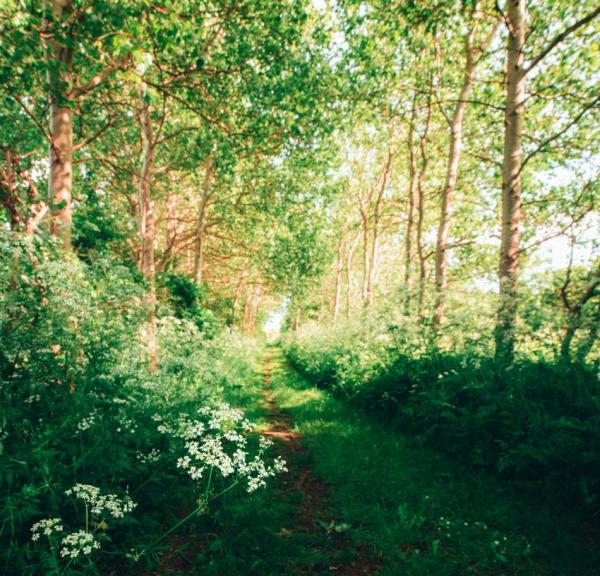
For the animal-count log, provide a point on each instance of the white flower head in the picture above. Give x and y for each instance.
(78, 543)
(46, 527)
(101, 503)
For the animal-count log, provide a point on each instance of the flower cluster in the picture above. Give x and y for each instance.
(149, 457)
(218, 441)
(99, 503)
(127, 425)
(87, 422)
(76, 543)
(83, 542)
(46, 527)
(502, 547)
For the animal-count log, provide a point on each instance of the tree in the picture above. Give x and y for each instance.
(473, 53)
(512, 164)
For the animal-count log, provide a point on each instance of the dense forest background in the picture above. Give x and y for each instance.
(404, 193)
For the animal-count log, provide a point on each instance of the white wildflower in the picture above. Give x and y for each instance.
(77, 543)
(87, 422)
(46, 527)
(149, 457)
(100, 503)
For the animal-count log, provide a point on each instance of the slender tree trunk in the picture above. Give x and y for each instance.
(454, 154)
(148, 226)
(296, 323)
(199, 242)
(171, 229)
(348, 266)
(374, 263)
(565, 348)
(574, 309)
(60, 180)
(256, 298)
(338, 281)
(420, 247)
(421, 202)
(246, 314)
(511, 182)
(236, 299)
(366, 260)
(412, 202)
(376, 229)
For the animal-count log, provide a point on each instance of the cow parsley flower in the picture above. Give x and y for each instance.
(46, 527)
(100, 503)
(150, 457)
(218, 441)
(78, 543)
(87, 422)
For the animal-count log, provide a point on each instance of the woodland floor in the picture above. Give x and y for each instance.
(360, 499)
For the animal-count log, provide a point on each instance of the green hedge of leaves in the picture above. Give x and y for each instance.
(537, 422)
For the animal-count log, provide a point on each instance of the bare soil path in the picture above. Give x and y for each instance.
(348, 559)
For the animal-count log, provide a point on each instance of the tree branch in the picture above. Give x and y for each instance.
(558, 134)
(93, 136)
(33, 118)
(560, 37)
(98, 78)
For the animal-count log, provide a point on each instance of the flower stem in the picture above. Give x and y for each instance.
(170, 531)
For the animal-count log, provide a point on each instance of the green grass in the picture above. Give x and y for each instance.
(256, 535)
(397, 498)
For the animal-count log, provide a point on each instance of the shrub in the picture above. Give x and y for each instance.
(537, 422)
(90, 439)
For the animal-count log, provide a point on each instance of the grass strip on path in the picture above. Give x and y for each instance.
(418, 512)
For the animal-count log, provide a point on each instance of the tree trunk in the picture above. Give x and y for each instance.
(421, 201)
(376, 228)
(420, 247)
(172, 228)
(234, 304)
(412, 202)
(366, 261)
(454, 154)
(60, 180)
(565, 348)
(348, 266)
(338, 281)
(199, 242)
(256, 298)
(511, 182)
(374, 264)
(148, 226)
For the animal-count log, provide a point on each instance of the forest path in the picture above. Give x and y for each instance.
(342, 556)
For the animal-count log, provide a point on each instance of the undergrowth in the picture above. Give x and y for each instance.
(420, 512)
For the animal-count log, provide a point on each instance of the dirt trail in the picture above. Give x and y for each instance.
(301, 479)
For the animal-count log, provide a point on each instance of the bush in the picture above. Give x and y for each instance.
(93, 445)
(537, 422)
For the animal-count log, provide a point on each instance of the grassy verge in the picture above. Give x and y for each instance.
(257, 535)
(418, 511)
